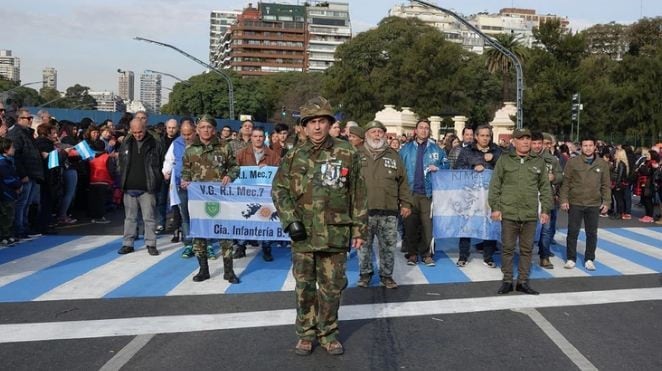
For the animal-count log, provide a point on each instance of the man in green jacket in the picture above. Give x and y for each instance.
(209, 159)
(586, 191)
(389, 196)
(320, 196)
(518, 185)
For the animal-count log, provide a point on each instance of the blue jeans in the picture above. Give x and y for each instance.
(162, 204)
(22, 207)
(70, 182)
(186, 220)
(547, 233)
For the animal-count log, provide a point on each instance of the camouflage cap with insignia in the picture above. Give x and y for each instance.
(316, 107)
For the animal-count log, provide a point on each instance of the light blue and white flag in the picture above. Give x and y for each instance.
(459, 205)
(241, 210)
(173, 193)
(84, 150)
(53, 159)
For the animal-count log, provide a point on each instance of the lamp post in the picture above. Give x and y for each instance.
(23, 85)
(185, 82)
(189, 56)
(495, 44)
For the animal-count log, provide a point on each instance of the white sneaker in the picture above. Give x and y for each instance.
(569, 264)
(589, 265)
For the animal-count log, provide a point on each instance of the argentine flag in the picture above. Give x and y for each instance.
(84, 150)
(459, 205)
(53, 159)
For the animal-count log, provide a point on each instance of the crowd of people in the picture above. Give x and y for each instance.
(337, 187)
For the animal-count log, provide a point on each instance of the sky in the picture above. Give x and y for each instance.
(88, 40)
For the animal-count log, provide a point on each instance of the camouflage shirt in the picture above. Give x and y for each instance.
(322, 188)
(238, 144)
(211, 162)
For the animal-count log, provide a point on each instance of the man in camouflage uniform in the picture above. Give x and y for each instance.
(386, 177)
(209, 159)
(321, 200)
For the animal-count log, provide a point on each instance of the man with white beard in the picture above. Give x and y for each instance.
(386, 178)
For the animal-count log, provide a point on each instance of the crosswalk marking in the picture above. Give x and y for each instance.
(655, 233)
(72, 267)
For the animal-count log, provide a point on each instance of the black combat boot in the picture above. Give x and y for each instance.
(266, 253)
(203, 274)
(228, 272)
(239, 252)
(176, 235)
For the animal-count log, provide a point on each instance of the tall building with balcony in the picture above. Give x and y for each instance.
(108, 101)
(49, 77)
(10, 66)
(267, 39)
(125, 82)
(530, 16)
(219, 24)
(329, 26)
(150, 92)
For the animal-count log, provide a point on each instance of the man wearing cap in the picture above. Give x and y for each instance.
(385, 176)
(209, 159)
(320, 196)
(356, 136)
(518, 185)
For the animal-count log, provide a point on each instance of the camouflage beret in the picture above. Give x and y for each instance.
(316, 107)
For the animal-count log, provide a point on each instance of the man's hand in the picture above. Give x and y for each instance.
(565, 206)
(604, 209)
(184, 184)
(405, 212)
(432, 168)
(226, 180)
(479, 168)
(551, 177)
(166, 176)
(357, 243)
(496, 216)
(544, 218)
(488, 157)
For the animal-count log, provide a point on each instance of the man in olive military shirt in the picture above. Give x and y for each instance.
(519, 184)
(321, 200)
(386, 178)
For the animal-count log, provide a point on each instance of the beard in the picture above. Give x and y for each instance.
(375, 143)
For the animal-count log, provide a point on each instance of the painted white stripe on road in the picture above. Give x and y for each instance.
(124, 356)
(614, 262)
(23, 332)
(23, 267)
(649, 232)
(475, 269)
(564, 345)
(631, 244)
(100, 281)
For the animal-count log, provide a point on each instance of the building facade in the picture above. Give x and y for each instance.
(125, 84)
(49, 77)
(150, 92)
(10, 66)
(108, 101)
(219, 24)
(328, 26)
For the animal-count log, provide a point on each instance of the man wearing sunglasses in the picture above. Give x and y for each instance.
(28, 167)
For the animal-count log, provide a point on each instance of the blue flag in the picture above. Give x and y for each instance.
(53, 159)
(84, 150)
(459, 205)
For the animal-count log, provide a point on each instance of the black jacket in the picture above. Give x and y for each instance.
(470, 156)
(27, 157)
(154, 153)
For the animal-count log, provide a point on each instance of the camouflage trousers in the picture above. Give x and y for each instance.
(200, 247)
(385, 228)
(317, 308)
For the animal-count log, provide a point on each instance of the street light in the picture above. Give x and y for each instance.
(189, 56)
(495, 44)
(20, 86)
(185, 82)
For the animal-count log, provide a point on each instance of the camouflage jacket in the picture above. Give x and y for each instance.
(206, 163)
(238, 144)
(322, 188)
(386, 178)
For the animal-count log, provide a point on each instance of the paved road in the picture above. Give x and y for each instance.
(69, 302)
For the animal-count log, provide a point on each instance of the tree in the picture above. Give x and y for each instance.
(78, 97)
(49, 94)
(564, 46)
(500, 64)
(645, 36)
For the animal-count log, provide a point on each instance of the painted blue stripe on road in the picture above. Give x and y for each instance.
(636, 236)
(446, 271)
(352, 268)
(40, 282)
(625, 253)
(27, 248)
(159, 279)
(261, 276)
(602, 269)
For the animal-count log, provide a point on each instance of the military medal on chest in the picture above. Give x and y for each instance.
(333, 174)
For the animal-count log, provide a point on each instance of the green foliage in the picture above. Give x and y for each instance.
(500, 64)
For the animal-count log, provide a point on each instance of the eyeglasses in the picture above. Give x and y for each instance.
(3, 110)
(26, 117)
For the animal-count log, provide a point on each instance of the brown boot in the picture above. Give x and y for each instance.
(545, 263)
(364, 280)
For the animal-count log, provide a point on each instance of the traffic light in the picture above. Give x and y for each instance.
(576, 106)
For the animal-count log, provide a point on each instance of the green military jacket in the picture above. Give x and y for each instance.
(553, 167)
(518, 186)
(386, 178)
(586, 184)
(207, 163)
(322, 188)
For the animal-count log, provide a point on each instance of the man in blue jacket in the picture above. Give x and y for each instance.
(421, 157)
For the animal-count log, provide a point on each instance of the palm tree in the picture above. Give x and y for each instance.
(497, 63)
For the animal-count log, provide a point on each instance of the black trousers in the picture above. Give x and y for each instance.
(590, 215)
(97, 197)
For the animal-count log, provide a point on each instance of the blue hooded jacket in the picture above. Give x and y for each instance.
(434, 155)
